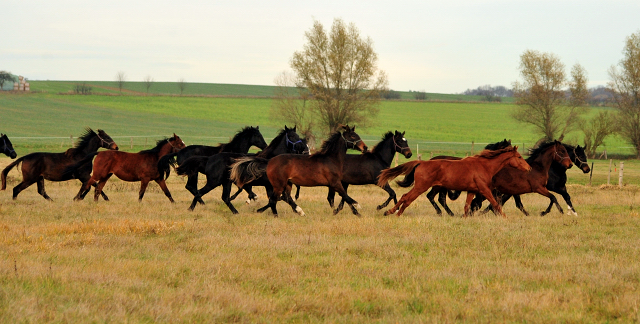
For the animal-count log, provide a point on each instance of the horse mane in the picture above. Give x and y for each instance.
(330, 144)
(534, 153)
(159, 144)
(385, 137)
(85, 138)
(489, 154)
(497, 145)
(236, 138)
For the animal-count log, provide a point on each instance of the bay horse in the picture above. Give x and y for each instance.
(40, 166)
(7, 147)
(443, 193)
(364, 168)
(218, 165)
(141, 166)
(240, 143)
(558, 179)
(323, 168)
(472, 174)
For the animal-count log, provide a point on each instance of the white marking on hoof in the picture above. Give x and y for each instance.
(300, 211)
(357, 206)
(255, 198)
(248, 201)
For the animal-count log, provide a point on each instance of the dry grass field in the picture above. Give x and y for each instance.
(124, 261)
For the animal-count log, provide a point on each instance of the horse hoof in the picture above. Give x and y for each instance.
(379, 207)
(300, 211)
(387, 213)
(248, 201)
(357, 206)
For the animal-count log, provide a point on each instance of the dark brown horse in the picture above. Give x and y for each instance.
(7, 147)
(141, 166)
(36, 167)
(323, 168)
(472, 174)
(512, 181)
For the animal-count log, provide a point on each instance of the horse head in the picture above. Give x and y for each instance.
(106, 141)
(517, 161)
(293, 142)
(176, 143)
(352, 139)
(256, 138)
(580, 159)
(561, 155)
(402, 146)
(8, 147)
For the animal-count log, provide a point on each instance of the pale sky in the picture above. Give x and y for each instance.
(435, 46)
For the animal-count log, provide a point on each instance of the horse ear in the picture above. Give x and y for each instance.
(286, 128)
(294, 127)
(403, 133)
(174, 135)
(353, 129)
(257, 127)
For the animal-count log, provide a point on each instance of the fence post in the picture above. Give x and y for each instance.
(620, 175)
(418, 152)
(131, 141)
(145, 142)
(590, 174)
(609, 175)
(431, 157)
(71, 138)
(472, 144)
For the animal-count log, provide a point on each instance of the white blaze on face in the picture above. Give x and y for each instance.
(404, 139)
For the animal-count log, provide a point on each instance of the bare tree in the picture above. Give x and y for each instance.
(541, 97)
(121, 78)
(420, 95)
(148, 82)
(341, 74)
(625, 87)
(596, 130)
(6, 76)
(290, 105)
(182, 85)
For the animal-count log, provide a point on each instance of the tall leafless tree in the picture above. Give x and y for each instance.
(121, 78)
(148, 82)
(182, 85)
(625, 87)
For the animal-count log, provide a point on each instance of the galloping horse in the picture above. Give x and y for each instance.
(7, 147)
(452, 194)
(472, 174)
(217, 166)
(364, 168)
(240, 143)
(36, 167)
(554, 181)
(141, 166)
(323, 168)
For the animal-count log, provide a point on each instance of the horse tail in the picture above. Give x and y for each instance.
(74, 167)
(453, 194)
(165, 163)
(192, 165)
(389, 174)
(247, 169)
(6, 171)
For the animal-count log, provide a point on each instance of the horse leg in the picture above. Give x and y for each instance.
(518, 203)
(486, 192)
(331, 196)
(143, 187)
(337, 186)
(567, 199)
(432, 194)
(297, 192)
(442, 199)
(99, 187)
(467, 204)
(341, 204)
(84, 189)
(392, 195)
(286, 195)
(269, 190)
(226, 192)
(41, 190)
(163, 186)
(192, 186)
(407, 199)
(251, 195)
(200, 193)
(545, 192)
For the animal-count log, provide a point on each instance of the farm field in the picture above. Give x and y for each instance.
(124, 261)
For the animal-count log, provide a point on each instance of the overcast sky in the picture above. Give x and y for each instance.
(436, 46)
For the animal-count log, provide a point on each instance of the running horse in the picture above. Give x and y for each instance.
(40, 166)
(323, 168)
(131, 167)
(472, 174)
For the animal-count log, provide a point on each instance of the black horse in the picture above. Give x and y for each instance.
(452, 194)
(217, 166)
(36, 167)
(7, 147)
(240, 143)
(558, 178)
(363, 169)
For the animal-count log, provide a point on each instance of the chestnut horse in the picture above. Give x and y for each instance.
(472, 174)
(511, 181)
(323, 168)
(141, 166)
(40, 166)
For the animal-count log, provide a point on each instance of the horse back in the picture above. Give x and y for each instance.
(302, 170)
(362, 169)
(197, 150)
(50, 166)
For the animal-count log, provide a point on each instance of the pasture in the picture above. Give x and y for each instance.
(125, 261)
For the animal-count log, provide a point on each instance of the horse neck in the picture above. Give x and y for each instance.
(241, 145)
(497, 163)
(545, 159)
(275, 149)
(339, 152)
(386, 150)
(91, 147)
(165, 149)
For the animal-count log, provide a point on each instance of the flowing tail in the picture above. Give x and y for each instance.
(192, 165)
(247, 169)
(165, 163)
(74, 167)
(390, 174)
(6, 170)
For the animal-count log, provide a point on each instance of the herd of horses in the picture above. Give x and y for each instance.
(496, 174)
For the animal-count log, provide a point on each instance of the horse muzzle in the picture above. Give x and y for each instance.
(407, 152)
(13, 155)
(113, 147)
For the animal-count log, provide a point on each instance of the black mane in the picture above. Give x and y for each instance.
(330, 144)
(158, 147)
(498, 145)
(239, 135)
(84, 139)
(385, 137)
(534, 153)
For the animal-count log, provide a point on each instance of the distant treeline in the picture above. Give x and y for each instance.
(600, 96)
